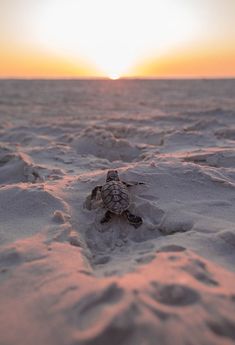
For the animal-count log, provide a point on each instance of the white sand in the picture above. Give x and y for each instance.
(65, 279)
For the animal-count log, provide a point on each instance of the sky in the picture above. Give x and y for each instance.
(117, 38)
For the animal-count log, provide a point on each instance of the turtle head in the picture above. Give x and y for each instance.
(112, 175)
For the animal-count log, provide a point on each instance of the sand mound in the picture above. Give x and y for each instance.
(187, 141)
(103, 144)
(17, 167)
(25, 211)
(203, 125)
(215, 158)
(143, 134)
(25, 137)
(226, 133)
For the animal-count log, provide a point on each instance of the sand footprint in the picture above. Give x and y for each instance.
(171, 248)
(174, 294)
(198, 269)
(223, 328)
(105, 317)
(97, 306)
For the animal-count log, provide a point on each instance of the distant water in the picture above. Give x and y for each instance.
(94, 98)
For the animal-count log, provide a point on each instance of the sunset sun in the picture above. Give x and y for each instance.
(114, 76)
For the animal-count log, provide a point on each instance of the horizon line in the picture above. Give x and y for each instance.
(116, 80)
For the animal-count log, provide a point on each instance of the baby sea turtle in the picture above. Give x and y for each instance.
(116, 198)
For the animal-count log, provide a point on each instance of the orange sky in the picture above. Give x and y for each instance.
(109, 38)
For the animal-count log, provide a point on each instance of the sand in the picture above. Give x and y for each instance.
(65, 279)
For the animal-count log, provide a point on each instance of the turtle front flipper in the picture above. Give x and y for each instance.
(131, 184)
(95, 191)
(136, 221)
(106, 218)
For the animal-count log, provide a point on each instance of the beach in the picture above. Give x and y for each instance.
(67, 279)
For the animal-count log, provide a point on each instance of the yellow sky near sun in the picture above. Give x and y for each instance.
(110, 38)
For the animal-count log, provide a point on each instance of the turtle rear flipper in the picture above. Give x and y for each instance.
(134, 220)
(106, 218)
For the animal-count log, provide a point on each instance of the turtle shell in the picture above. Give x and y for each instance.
(115, 196)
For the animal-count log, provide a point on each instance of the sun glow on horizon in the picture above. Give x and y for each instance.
(115, 39)
(114, 76)
(112, 36)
